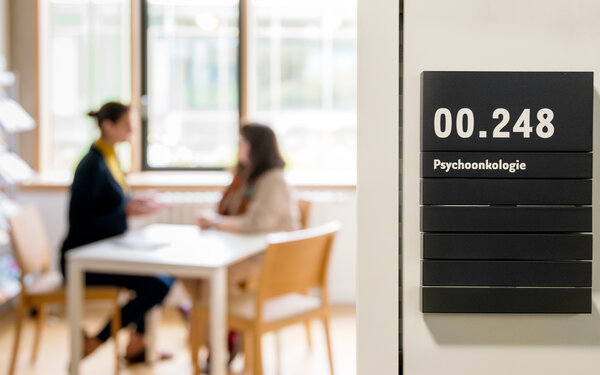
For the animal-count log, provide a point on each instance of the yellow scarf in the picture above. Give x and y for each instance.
(112, 162)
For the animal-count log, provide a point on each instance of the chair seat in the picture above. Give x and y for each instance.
(275, 309)
(49, 287)
(46, 283)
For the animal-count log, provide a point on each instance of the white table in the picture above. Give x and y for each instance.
(177, 250)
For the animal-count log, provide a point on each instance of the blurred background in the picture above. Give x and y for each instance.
(193, 70)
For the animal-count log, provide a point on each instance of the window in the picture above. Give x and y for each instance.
(302, 78)
(191, 83)
(299, 76)
(87, 60)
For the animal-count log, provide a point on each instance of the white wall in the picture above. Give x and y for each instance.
(532, 35)
(327, 206)
(378, 187)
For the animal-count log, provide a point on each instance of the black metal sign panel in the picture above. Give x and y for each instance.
(477, 246)
(507, 111)
(507, 273)
(506, 219)
(455, 191)
(507, 300)
(506, 189)
(506, 165)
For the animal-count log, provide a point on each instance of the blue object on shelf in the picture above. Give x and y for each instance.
(9, 278)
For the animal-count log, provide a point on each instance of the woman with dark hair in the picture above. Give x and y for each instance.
(258, 199)
(100, 204)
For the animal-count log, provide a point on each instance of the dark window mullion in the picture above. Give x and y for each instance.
(144, 80)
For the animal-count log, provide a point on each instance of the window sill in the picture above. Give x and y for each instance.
(200, 180)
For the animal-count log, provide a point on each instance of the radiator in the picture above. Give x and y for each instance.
(183, 207)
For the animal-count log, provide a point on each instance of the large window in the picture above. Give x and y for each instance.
(86, 58)
(302, 79)
(298, 75)
(191, 83)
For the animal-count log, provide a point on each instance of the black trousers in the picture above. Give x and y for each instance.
(149, 292)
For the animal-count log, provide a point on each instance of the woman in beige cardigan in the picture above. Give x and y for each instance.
(257, 201)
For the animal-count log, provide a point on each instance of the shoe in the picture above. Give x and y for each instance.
(234, 344)
(141, 357)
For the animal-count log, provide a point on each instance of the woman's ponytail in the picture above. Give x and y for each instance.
(109, 111)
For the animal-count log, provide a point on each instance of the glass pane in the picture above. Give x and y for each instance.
(88, 53)
(301, 74)
(192, 83)
(302, 80)
(264, 73)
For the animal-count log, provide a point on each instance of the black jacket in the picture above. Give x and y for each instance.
(97, 207)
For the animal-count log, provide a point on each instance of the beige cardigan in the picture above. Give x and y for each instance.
(272, 208)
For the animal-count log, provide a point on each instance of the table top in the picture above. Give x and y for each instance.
(171, 245)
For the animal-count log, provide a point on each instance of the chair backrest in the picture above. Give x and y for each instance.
(304, 209)
(29, 241)
(297, 261)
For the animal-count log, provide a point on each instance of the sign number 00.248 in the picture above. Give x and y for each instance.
(465, 123)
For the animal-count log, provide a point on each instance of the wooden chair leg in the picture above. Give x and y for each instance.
(21, 310)
(153, 318)
(258, 370)
(308, 336)
(39, 327)
(249, 351)
(328, 337)
(202, 329)
(307, 326)
(278, 352)
(195, 336)
(114, 331)
(193, 288)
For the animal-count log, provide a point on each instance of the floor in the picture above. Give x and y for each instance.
(296, 359)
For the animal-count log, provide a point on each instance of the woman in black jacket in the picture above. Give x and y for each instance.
(99, 207)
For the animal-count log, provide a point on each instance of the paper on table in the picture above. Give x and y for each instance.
(139, 241)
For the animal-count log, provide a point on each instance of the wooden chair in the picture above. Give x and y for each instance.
(294, 263)
(41, 286)
(304, 209)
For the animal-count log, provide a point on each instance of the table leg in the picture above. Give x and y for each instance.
(218, 322)
(75, 287)
(153, 318)
(195, 324)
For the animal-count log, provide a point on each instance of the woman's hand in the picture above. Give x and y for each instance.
(142, 206)
(207, 221)
(223, 223)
